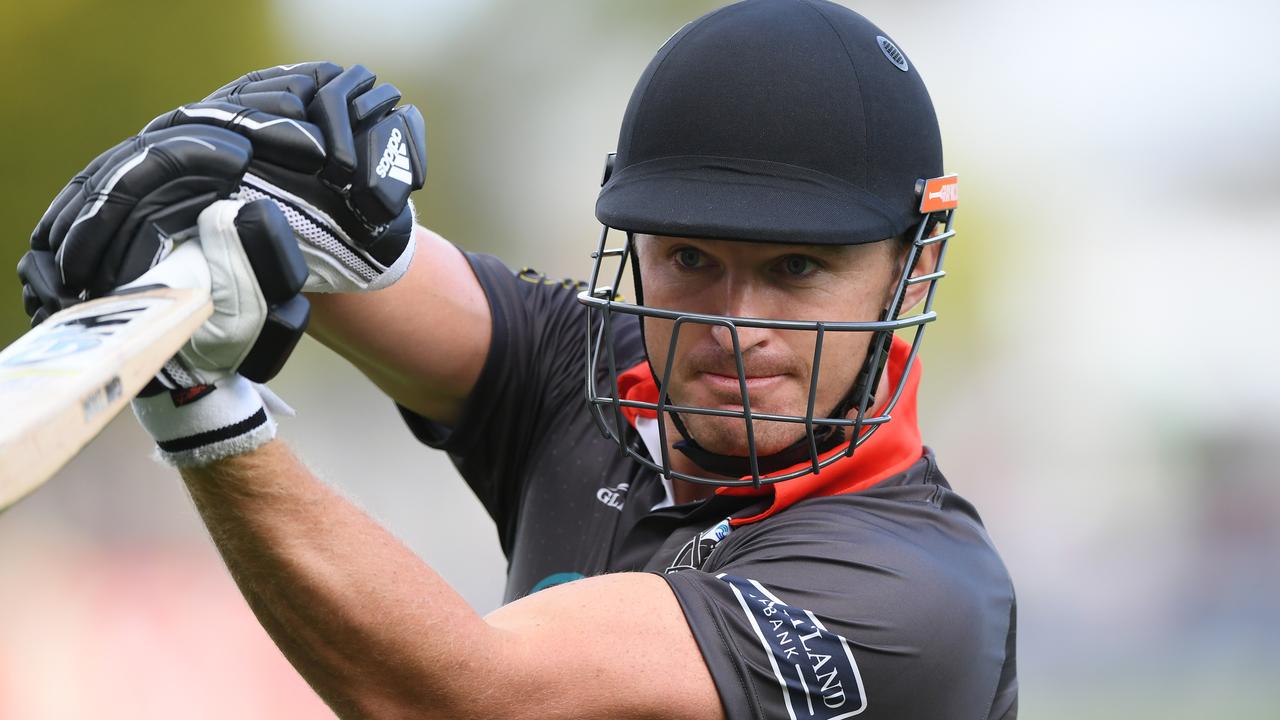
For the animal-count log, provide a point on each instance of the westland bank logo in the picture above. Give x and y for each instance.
(816, 671)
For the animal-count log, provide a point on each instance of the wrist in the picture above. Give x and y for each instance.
(193, 427)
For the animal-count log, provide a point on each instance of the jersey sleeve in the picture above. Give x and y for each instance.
(802, 623)
(532, 371)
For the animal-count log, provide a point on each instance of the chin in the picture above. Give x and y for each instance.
(728, 436)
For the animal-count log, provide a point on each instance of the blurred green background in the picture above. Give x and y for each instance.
(1101, 383)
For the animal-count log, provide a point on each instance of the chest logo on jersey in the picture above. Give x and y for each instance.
(614, 497)
(815, 669)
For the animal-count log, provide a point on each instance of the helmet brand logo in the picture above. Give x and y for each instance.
(941, 193)
(892, 52)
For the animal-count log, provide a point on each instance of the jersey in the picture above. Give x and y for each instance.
(890, 602)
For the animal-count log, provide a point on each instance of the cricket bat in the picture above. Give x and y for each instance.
(63, 381)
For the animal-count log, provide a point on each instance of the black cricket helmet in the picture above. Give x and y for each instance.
(779, 121)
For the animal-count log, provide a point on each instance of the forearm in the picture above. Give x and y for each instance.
(423, 340)
(368, 624)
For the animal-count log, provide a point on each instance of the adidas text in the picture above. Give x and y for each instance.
(395, 159)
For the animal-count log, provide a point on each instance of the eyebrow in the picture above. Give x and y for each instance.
(830, 253)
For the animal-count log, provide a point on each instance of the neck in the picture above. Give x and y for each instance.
(683, 491)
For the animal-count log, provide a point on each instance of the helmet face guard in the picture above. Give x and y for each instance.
(602, 303)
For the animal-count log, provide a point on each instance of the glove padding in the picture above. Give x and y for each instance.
(208, 407)
(121, 213)
(246, 258)
(355, 227)
(353, 218)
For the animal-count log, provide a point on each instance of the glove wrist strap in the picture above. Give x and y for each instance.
(231, 419)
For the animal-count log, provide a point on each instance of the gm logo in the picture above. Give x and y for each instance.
(892, 52)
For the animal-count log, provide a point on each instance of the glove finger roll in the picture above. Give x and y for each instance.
(372, 105)
(170, 211)
(53, 225)
(272, 250)
(280, 104)
(30, 301)
(331, 110)
(394, 161)
(42, 287)
(40, 316)
(194, 157)
(301, 88)
(293, 144)
(320, 72)
(284, 326)
(271, 253)
(42, 235)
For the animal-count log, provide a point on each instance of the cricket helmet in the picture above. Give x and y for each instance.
(780, 121)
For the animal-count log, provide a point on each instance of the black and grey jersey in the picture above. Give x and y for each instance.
(890, 602)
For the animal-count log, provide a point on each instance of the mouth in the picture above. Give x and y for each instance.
(728, 386)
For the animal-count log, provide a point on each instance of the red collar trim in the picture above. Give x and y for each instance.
(892, 449)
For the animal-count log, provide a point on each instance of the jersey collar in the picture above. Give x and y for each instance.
(891, 450)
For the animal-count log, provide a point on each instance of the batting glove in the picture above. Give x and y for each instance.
(354, 219)
(349, 209)
(124, 211)
(208, 407)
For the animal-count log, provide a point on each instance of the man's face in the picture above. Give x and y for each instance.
(768, 281)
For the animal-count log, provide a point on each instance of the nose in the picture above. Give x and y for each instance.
(742, 300)
(748, 338)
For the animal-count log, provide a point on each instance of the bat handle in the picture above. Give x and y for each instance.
(184, 267)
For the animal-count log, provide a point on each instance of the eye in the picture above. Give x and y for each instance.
(798, 265)
(690, 258)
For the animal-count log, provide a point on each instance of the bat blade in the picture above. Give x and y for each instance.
(62, 382)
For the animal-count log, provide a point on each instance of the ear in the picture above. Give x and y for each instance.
(926, 262)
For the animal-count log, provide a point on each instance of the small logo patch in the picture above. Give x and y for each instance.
(101, 398)
(941, 193)
(187, 395)
(815, 669)
(70, 337)
(892, 52)
(696, 552)
(554, 579)
(614, 497)
(395, 159)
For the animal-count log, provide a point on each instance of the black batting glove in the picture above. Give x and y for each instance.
(349, 209)
(355, 212)
(121, 213)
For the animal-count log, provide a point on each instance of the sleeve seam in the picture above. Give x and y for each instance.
(498, 342)
(995, 688)
(732, 651)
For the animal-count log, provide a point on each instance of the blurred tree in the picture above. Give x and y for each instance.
(84, 74)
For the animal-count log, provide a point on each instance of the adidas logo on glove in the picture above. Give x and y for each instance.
(395, 159)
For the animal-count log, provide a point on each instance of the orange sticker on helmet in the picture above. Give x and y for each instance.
(942, 193)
